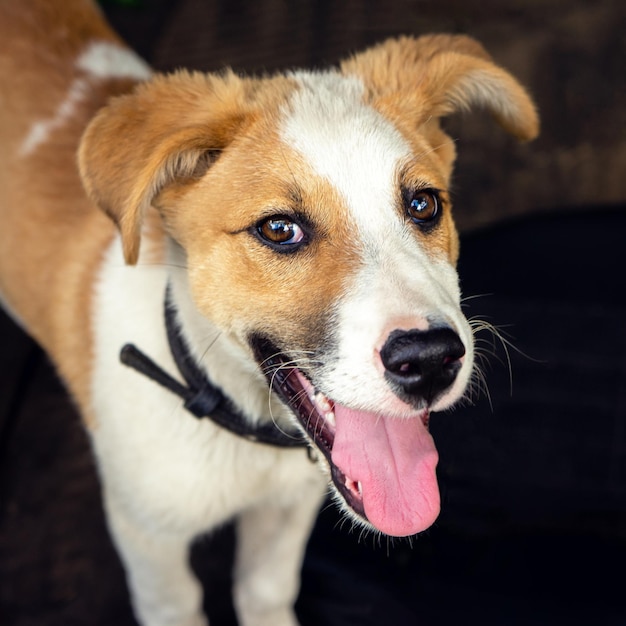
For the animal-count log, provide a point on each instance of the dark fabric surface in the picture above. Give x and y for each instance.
(533, 526)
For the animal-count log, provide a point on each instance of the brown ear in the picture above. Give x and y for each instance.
(437, 75)
(159, 134)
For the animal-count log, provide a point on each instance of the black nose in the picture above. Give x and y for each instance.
(422, 363)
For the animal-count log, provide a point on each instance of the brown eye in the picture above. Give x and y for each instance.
(281, 231)
(423, 206)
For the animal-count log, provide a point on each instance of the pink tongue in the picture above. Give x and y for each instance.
(394, 460)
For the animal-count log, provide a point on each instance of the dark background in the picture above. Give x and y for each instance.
(533, 475)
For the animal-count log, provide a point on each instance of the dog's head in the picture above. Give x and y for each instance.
(314, 212)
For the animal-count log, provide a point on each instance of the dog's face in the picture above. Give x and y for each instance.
(316, 220)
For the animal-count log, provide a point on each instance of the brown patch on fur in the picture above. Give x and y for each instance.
(39, 43)
(51, 236)
(158, 135)
(437, 75)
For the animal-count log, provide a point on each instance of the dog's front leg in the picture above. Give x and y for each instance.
(164, 591)
(271, 540)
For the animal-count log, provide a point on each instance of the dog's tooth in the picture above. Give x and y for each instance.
(323, 403)
(330, 418)
(359, 487)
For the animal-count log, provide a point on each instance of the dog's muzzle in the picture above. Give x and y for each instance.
(382, 465)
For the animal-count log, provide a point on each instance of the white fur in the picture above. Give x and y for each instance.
(103, 59)
(399, 282)
(100, 60)
(168, 476)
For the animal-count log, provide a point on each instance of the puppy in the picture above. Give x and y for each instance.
(274, 258)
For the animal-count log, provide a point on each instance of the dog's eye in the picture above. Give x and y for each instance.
(422, 206)
(281, 230)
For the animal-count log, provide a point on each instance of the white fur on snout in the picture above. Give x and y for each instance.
(398, 284)
(403, 291)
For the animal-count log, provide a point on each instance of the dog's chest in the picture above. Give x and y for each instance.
(158, 454)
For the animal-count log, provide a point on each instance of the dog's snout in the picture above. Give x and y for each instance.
(422, 363)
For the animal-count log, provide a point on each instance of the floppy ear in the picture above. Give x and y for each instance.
(437, 75)
(168, 130)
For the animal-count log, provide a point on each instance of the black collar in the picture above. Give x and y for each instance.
(202, 398)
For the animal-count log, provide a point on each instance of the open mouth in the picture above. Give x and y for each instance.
(316, 413)
(383, 467)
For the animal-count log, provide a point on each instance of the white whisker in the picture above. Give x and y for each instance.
(301, 362)
(486, 350)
